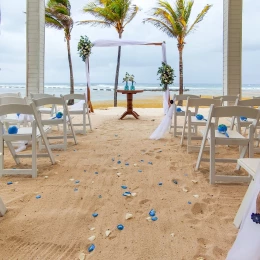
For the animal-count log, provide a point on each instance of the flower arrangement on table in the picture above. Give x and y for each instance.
(166, 73)
(84, 47)
(130, 78)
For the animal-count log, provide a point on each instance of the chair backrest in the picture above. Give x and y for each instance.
(203, 102)
(10, 95)
(255, 102)
(40, 95)
(16, 108)
(48, 101)
(12, 100)
(184, 97)
(74, 96)
(227, 98)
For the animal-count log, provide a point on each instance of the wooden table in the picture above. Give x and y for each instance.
(129, 94)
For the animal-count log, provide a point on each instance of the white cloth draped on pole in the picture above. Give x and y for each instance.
(164, 125)
(115, 43)
(247, 244)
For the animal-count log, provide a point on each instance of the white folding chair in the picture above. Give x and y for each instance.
(176, 113)
(28, 134)
(215, 138)
(226, 100)
(79, 108)
(65, 120)
(45, 110)
(14, 118)
(2, 208)
(250, 165)
(193, 123)
(10, 95)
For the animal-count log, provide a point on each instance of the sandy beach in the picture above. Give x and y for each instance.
(58, 225)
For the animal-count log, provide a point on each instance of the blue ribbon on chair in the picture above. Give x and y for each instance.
(223, 130)
(242, 118)
(178, 109)
(200, 117)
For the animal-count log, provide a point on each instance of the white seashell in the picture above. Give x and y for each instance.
(185, 190)
(46, 177)
(92, 182)
(172, 234)
(118, 174)
(196, 196)
(82, 256)
(133, 194)
(91, 229)
(108, 232)
(194, 181)
(135, 164)
(16, 182)
(149, 219)
(114, 168)
(128, 215)
(92, 238)
(71, 179)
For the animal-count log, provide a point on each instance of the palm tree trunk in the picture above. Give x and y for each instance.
(180, 71)
(71, 101)
(117, 72)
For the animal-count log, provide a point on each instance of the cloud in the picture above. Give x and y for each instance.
(203, 58)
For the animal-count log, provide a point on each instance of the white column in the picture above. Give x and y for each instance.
(232, 75)
(35, 39)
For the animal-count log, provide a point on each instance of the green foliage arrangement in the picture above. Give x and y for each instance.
(84, 47)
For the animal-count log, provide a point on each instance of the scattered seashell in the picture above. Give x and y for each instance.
(92, 182)
(46, 177)
(16, 182)
(149, 218)
(196, 196)
(91, 229)
(128, 215)
(172, 234)
(82, 256)
(91, 248)
(133, 194)
(120, 227)
(118, 174)
(92, 238)
(135, 164)
(113, 159)
(71, 179)
(200, 258)
(114, 168)
(185, 189)
(194, 181)
(108, 232)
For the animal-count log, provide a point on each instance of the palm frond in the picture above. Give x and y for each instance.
(95, 23)
(161, 26)
(53, 23)
(131, 14)
(188, 9)
(199, 18)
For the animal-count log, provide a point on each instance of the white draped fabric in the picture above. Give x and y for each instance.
(115, 43)
(247, 244)
(164, 125)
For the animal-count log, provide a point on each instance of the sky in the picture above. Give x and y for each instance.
(203, 52)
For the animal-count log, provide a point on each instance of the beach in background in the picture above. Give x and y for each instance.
(102, 94)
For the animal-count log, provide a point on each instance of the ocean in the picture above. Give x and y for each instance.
(104, 91)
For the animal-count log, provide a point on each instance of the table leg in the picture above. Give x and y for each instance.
(126, 113)
(135, 113)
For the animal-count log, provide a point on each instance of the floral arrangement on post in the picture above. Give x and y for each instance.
(126, 79)
(84, 47)
(132, 79)
(166, 75)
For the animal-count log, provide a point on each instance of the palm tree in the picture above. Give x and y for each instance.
(112, 13)
(174, 21)
(58, 16)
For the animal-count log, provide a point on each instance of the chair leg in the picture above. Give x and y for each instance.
(175, 124)
(89, 120)
(12, 151)
(34, 153)
(189, 134)
(212, 156)
(183, 128)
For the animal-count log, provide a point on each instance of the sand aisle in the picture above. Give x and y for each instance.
(57, 226)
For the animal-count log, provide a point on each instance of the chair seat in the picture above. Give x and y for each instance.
(194, 120)
(234, 135)
(242, 123)
(45, 110)
(28, 131)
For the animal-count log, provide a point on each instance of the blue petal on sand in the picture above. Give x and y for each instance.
(175, 182)
(127, 164)
(154, 218)
(142, 161)
(38, 196)
(100, 196)
(160, 183)
(77, 182)
(95, 215)
(150, 163)
(189, 202)
(96, 172)
(127, 193)
(9, 183)
(139, 170)
(76, 189)
(120, 227)
(152, 212)
(118, 162)
(124, 187)
(91, 248)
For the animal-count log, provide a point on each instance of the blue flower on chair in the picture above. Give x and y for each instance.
(200, 117)
(242, 118)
